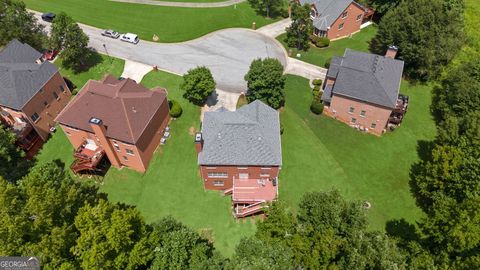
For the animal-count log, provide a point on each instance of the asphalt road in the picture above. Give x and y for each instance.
(227, 53)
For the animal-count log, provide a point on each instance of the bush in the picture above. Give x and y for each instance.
(327, 63)
(323, 42)
(316, 107)
(175, 108)
(317, 82)
(281, 127)
(316, 93)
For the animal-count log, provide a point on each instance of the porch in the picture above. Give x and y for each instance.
(26, 135)
(250, 196)
(90, 160)
(398, 113)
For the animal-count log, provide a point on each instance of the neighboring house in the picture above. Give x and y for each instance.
(240, 153)
(362, 90)
(119, 119)
(336, 19)
(32, 93)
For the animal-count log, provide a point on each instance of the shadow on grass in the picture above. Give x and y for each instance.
(90, 59)
(401, 229)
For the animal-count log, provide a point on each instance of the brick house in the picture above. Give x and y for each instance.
(117, 119)
(32, 93)
(240, 153)
(336, 19)
(362, 90)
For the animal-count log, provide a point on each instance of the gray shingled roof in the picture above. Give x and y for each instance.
(248, 136)
(328, 10)
(20, 76)
(367, 77)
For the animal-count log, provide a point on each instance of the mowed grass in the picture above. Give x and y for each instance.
(170, 24)
(320, 153)
(318, 56)
(192, 1)
(101, 66)
(172, 184)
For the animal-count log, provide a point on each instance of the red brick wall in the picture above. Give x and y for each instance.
(55, 106)
(142, 151)
(234, 171)
(340, 106)
(350, 23)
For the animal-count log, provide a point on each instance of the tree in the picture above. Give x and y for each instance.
(17, 22)
(328, 232)
(381, 6)
(429, 33)
(269, 8)
(111, 236)
(68, 36)
(255, 254)
(37, 215)
(455, 103)
(198, 84)
(13, 164)
(301, 28)
(265, 81)
(179, 247)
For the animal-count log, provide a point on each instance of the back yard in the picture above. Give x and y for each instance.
(170, 24)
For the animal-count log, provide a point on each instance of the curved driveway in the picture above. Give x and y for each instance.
(227, 53)
(183, 4)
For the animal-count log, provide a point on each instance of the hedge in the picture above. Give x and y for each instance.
(316, 107)
(175, 109)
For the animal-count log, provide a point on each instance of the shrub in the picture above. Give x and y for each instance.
(316, 107)
(314, 39)
(317, 82)
(327, 63)
(175, 108)
(316, 92)
(322, 42)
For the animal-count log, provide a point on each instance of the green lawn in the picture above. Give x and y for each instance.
(103, 65)
(171, 24)
(321, 153)
(318, 56)
(192, 1)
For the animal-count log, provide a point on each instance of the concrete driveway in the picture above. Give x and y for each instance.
(227, 53)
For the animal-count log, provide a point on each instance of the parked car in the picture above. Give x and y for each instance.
(49, 54)
(129, 37)
(110, 33)
(48, 17)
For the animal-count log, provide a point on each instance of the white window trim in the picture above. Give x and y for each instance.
(217, 175)
(266, 168)
(130, 154)
(218, 183)
(242, 168)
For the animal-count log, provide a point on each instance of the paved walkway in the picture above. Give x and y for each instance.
(306, 70)
(274, 30)
(135, 70)
(182, 4)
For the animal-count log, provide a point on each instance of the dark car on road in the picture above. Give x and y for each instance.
(48, 17)
(110, 33)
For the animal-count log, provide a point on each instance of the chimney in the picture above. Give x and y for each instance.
(391, 51)
(100, 132)
(198, 142)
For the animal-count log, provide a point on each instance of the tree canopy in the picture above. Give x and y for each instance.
(198, 84)
(66, 35)
(13, 164)
(429, 33)
(17, 22)
(269, 8)
(299, 31)
(266, 82)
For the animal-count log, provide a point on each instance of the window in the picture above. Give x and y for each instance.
(362, 113)
(242, 168)
(218, 183)
(264, 175)
(62, 88)
(211, 168)
(117, 147)
(351, 109)
(340, 27)
(359, 17)
(217, 175)
(373, 125)
(243, 175)
(313, 13)
(354, 120)
(129, 152)
(125, 158)
(55, 94)
(35, 117)
(266, 168)
(344, 14)
(46, 104)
